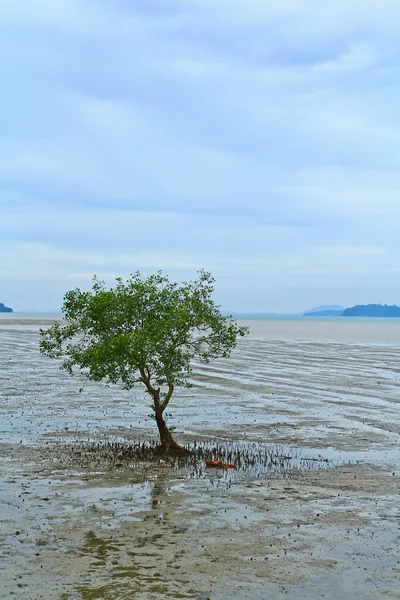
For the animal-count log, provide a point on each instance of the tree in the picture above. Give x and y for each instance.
(144, 330)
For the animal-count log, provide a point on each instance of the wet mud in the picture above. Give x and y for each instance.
(89, 511)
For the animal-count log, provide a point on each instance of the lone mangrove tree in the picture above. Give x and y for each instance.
(144, 330)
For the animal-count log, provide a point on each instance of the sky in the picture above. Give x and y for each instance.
(258, 140)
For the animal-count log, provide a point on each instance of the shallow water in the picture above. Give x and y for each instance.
(342, 330)
(314, 400)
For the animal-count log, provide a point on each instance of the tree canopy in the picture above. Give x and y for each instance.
(146, 330)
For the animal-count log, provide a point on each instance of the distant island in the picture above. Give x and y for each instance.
(372, 310)
(5, 309)
(360, 310)
(325, 308)
(324, 313)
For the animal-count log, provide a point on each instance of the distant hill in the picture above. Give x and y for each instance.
(372, 310)
(324, 313)
(5, 309)
(324, 308)
(332, 310)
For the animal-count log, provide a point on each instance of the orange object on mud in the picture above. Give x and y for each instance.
(219, 463)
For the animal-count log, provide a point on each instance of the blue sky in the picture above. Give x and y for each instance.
(259, 140)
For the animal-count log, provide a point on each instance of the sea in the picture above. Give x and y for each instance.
(347, 330)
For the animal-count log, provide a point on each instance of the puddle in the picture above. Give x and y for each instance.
(251, 460)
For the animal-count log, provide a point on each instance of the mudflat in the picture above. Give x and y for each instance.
(318, 519)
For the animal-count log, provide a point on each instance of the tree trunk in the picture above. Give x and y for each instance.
(168, 444)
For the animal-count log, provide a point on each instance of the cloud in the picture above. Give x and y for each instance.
(346, 251)
(257, 139)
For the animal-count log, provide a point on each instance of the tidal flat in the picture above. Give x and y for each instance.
(309, 412)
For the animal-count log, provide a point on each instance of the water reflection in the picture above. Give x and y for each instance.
(251, 460)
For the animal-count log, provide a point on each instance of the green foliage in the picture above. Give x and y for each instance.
(145, 330)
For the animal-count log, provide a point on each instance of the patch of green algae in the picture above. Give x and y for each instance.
(107, 592)
(99, 547)
(126, 581)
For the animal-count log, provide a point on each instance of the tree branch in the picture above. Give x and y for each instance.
(168, 395)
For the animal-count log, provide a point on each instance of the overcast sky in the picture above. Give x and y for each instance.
(257, 139)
